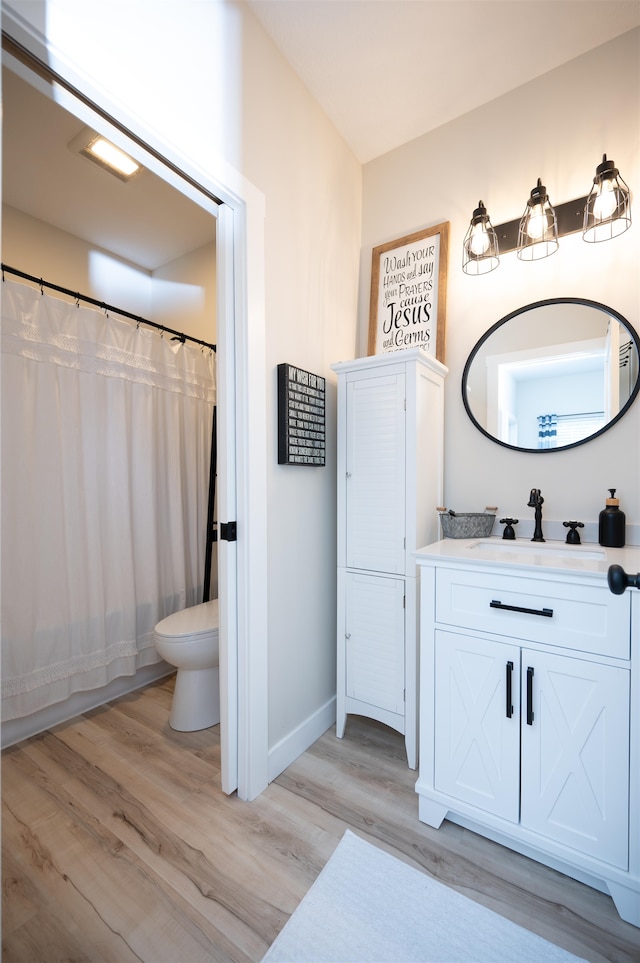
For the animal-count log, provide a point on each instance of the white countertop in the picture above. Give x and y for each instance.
(587, 558)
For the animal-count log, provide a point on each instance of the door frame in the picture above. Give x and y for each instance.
(241, 298)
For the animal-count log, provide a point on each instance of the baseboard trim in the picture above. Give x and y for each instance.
(15, 730)
(288, 749)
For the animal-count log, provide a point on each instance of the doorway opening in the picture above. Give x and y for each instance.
(165, 265)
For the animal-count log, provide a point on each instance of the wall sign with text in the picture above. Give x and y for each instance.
(409, 293)
(301, 417)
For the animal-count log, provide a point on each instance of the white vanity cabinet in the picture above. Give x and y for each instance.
(554, 759)
(389, 470)
(529, 703)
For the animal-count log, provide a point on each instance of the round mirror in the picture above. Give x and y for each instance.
(552, 375)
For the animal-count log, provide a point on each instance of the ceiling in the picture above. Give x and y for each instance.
(145, 221)
(385, 71)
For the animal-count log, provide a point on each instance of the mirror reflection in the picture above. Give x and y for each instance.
(552, 375)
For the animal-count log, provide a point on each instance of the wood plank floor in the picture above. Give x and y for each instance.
(118, 844)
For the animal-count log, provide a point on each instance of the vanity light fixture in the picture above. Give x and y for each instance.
(607, 212)
(480, 252)
(602, 214)
(538, 231)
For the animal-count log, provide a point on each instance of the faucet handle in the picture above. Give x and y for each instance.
(573, 536)
(509, 533)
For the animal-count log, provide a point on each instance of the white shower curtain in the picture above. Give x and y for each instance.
(106, 435)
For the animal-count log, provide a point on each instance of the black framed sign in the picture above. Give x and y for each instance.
(301, 417)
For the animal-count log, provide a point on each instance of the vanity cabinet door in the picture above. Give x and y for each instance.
(375, 644)
(575, 754)
(477, 726)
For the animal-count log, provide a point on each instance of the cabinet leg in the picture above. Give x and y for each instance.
(341, 722)
(626, 900)
(430, 812)
(412, 752)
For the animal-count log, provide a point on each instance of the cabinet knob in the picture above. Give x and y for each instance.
(348, 474)
(619, 580)
(347, 635)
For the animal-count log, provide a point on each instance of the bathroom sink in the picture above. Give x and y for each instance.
(504, 546)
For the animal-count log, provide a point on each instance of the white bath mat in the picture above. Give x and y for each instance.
(369, 907)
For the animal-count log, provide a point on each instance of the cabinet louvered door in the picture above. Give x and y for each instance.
(374, 649)
(375, 466)
(575, 754)
(477, 722)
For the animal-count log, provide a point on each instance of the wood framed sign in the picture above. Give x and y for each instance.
(301, 417)
(409, 293)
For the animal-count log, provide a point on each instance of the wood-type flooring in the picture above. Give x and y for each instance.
(118, 844)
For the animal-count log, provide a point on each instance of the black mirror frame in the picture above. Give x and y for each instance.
(523, 310)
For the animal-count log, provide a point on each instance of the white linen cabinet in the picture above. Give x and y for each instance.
(389, 468)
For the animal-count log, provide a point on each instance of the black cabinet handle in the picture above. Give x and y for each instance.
(530, 696)
(509, 696)
(494, 604)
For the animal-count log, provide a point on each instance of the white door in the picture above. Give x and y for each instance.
(477, 722)
(375, 465)
(575, 754)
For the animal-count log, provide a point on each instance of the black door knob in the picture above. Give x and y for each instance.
(618, 579)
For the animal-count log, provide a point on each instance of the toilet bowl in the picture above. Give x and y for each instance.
(189, 640)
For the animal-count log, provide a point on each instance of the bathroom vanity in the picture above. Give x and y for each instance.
(530, 704)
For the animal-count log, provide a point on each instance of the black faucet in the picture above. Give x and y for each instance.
(535, 501)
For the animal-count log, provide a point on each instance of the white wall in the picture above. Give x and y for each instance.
(216, 89)
(182, 294)
(557, 128)
(35, 247)
(312, 185)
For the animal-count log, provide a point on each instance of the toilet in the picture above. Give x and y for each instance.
(189, 640)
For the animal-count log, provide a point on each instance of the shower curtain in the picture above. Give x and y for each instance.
(106, 435)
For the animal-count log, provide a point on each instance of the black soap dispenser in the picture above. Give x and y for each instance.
(611, 523)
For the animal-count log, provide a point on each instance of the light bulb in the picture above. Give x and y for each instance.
(537, 222)
(479, 241)
(605, 202)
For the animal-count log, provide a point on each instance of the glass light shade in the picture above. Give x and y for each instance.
(480, 246)
(607, 212)
(538, 231)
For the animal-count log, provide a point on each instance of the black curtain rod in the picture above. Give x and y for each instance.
(177, 335)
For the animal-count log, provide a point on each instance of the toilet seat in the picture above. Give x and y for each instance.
(192, 623)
